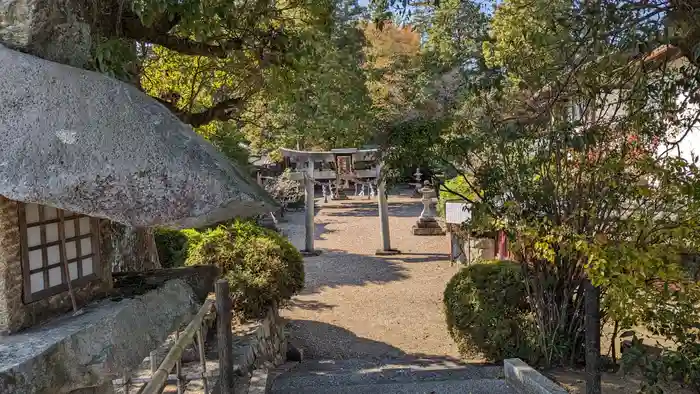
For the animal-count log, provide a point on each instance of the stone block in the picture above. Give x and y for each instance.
(51, 29)
(106, 388)
(107, 147)
(527, 380)
(89, 350)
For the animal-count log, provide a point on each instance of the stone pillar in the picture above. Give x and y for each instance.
(309, 224)
(384, 222)
(128, 249)
(12, 313)
(427, 223)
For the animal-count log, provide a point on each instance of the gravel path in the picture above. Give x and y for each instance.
(358, 305)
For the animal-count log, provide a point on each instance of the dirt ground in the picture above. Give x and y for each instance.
(358, 305)
(612, 383)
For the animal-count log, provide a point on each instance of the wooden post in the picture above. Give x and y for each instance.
(154, 361)
(224, 336)
(202, 359)
(154, 366)
(162, 372)
(592, 341)
(64, 260)
(178, 367)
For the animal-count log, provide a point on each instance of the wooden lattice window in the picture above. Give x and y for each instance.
(50, 237)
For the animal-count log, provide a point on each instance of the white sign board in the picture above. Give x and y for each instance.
(457, 212)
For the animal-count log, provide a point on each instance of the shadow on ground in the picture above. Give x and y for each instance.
(336, 268)
(327, 341)
(310, 305)
(402, 209)
(320, 229)
(422, 257)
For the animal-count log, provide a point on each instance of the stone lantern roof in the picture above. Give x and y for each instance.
(81, 141)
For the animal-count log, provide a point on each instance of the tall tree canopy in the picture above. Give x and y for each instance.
(274, 73)
(566, 128)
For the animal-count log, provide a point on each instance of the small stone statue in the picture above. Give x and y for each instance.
(418, 174)
(325, 194)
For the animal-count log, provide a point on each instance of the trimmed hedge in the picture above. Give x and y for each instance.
(262, 267)
(487, 311)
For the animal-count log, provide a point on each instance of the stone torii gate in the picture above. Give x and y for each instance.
(309, 174)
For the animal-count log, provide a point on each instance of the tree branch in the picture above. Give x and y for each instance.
(159, 33)
(223, 111)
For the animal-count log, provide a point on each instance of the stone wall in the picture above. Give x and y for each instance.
(256, 345)
(14, 313)
(259, 342)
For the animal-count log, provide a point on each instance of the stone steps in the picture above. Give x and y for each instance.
(391, 376)
(471, 386)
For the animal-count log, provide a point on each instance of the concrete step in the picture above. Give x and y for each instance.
(310, 376)
(469, 386)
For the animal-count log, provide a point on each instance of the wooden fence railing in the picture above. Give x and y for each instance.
(194, 330)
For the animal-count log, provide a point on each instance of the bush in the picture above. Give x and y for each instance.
(487, 312)
(173, 245)
(261, 266)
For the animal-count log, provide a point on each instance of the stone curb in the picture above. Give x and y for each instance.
(526, 380)
(259, 381)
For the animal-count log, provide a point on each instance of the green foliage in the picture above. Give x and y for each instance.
(261, 266)
(315, 96)
(487, 311)
(115, 57)
(456, 188)
(565, 134)
(174, 245)
(669, 311)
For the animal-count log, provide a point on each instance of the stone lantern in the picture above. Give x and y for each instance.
(427, 224)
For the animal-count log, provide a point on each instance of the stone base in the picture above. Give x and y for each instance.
(310, 253)
(427, 226)
(427, 231)
(388, 252)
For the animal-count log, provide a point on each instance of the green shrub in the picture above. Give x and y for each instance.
(457, 184)
(173, 245)
(261, 266)
(487, 312)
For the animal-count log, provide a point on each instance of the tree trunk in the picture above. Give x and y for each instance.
(592, 326)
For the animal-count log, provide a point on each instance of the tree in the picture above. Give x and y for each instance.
(267, 68)
(322, 103)
(392, 51)
(559, 134)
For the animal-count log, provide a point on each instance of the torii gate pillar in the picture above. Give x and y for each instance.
(310, 213)
(384, 222)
